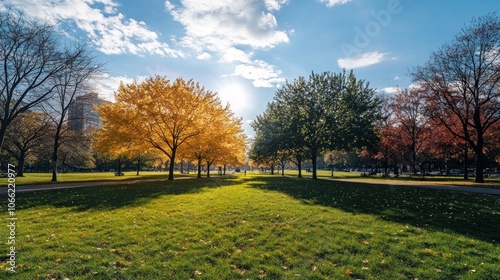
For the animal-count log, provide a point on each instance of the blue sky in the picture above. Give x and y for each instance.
(245, 50)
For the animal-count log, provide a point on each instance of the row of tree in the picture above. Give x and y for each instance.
(42, 75)
(29, 146)
(306, 118)
(30, 140)
(409, 135)
(454, 108)
(177, 119)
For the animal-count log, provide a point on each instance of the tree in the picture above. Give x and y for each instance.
(269, 143)
(462, 81)
(31, 55)
(336, 157)
(24, 136)
(222, 141)
(163, 114)
(326, 112)
(113, 141)
(412, 124)
(71, 82)
(231, 144)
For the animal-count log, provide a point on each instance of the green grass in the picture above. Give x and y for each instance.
(45, 178)
(255, 227)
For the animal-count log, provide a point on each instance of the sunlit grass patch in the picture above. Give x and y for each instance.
(262, 227)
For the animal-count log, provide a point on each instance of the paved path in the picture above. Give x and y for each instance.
(56, 186)
(490, 191)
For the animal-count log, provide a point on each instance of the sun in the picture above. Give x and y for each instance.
(236, 94)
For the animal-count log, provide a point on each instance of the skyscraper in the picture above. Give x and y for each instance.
(82, 116)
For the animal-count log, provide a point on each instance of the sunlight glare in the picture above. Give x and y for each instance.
(236, 95)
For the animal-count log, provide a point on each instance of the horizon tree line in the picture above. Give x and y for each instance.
(453, 108)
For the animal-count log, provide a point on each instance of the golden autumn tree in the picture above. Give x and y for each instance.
(161, 113)
(223, 140)
(233, 147)
(227, 144)
(115, 141)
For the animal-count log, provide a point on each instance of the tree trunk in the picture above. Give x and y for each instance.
(20, 164)
(332, 169)
(199, 168)
(208, 169)
(386, 167)
(54, 159)
(54, 170)
(119, 166)
(479, 163)
(55, 151)
(171, 166)
(224, 169)
(283, 170)
(313, 159)
(466, 164)
(299, 165)
(138, 166)
(3, 131)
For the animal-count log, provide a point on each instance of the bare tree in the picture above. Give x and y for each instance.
(31, 56)
(71, 82)
(462, 80)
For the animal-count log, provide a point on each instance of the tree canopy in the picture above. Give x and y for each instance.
(167, 116)
(308, 117)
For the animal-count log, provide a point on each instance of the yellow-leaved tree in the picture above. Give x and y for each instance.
(223, 142)
(161, 113)
(114, 139)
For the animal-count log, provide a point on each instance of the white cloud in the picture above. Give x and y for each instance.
(397, 78)
(331, 3)
(204, 56)
(108, 30)
(363, 60)
(106, 85)
(262, 73)
(238, 22)
(390, 89)
(169, 6)
(230, 30)
(274, 4)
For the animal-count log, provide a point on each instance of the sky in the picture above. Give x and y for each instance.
(246, 49)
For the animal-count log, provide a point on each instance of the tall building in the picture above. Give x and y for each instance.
(82, 116)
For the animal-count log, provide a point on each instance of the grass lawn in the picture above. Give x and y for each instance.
(44, 178)
(255, 227)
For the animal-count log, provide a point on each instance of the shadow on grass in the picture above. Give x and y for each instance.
(108, 197)
(474, 215)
